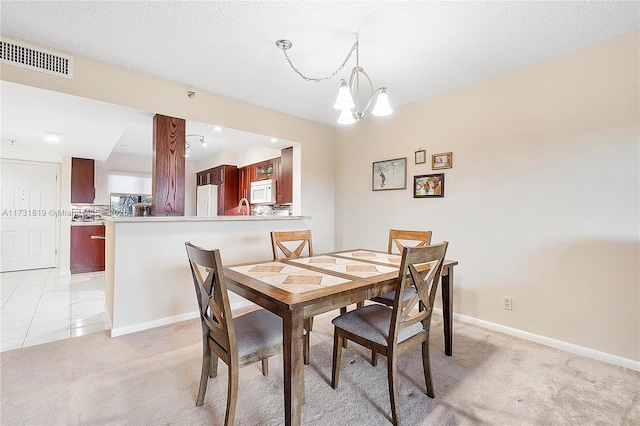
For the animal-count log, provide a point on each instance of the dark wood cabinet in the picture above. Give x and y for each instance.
(263, 170)
(244, 182)
(82, 180)
(87, 248)
(284, 177)
(227, 189)
(226, 178)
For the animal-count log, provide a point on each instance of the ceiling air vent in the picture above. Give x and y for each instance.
(36, 59)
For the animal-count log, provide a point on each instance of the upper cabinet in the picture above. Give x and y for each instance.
(82, 180)
(284, 177)
(264, 170)
(244, 182)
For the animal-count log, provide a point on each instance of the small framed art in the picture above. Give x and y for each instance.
(421, 156)
(441, 161)
(428, 186)
(390, 174)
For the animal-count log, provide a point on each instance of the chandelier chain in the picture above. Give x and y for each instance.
(354, 47)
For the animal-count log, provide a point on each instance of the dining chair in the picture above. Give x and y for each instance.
(392, 330)
(398, 238)
(281, 242)
(238, 341)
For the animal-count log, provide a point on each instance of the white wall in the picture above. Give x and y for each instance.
(118, 162)
(542, 203)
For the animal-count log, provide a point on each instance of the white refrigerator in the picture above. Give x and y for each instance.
(207, 200)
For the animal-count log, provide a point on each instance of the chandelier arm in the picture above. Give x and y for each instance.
(355, 91)
(284, 50)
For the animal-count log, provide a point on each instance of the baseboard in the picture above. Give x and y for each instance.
(241, 304)
(115, 332)
(558, 344)
(120, 331)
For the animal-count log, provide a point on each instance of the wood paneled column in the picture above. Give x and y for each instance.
(168, 166)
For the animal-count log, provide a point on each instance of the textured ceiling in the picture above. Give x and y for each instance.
(417, 49)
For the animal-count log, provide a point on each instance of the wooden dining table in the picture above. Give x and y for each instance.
(296, 289)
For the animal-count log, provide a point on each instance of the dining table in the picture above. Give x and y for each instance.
(300, 288)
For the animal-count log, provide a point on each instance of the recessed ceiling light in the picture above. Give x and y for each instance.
(52, 137)
(217, 128)
(273, 140)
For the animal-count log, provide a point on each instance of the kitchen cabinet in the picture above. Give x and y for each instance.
(225, 177)
(82, 181)
(244, 182)
(87, 248)
(227, 189)
(263, 170)
(284, 177)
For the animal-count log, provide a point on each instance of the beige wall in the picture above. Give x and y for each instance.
(542, 202)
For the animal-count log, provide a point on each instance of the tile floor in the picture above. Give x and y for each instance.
(40, 306)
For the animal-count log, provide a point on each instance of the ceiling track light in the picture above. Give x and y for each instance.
(201, 139)
(349, 101)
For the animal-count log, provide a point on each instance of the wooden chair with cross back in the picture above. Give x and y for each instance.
(392, 330)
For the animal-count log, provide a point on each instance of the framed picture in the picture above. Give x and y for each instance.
(421, 156)
(441, 161)
(390, 174)
(428, 186)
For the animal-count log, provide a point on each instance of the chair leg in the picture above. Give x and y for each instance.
(204, 375)
(337, 356)
(426, 365)
(392, 373)
(344, 311)
(213, 370)
(265, 366)
(232, 394)
(360, 305)
(374, 358)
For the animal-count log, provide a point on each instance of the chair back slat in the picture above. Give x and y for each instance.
(213, 300)
(279, 238)
(398, 236)
(421, 268)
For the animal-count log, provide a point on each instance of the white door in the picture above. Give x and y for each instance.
(29, 206)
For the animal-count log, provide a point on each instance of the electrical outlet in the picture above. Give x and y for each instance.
(507, 303)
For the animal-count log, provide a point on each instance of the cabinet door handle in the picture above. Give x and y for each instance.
(98, 237)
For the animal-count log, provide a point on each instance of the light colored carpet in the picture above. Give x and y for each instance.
(151, 378)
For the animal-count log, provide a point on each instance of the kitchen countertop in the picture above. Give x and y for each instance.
(88, 223)
(150, 219)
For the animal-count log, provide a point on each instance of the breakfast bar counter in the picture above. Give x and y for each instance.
(147, 278)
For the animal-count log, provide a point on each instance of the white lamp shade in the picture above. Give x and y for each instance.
(346, 117)
(382, 107)
(344, 101)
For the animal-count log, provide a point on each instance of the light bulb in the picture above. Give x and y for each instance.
(346, 117)
(344, 100)
(382, 106)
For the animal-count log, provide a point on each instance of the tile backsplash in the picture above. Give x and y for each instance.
(88, 213)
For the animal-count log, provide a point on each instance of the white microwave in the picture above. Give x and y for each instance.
(263, 192)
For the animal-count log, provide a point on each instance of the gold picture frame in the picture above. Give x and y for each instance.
(442, 161)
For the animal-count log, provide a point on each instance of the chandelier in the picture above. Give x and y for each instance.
(352, 104)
